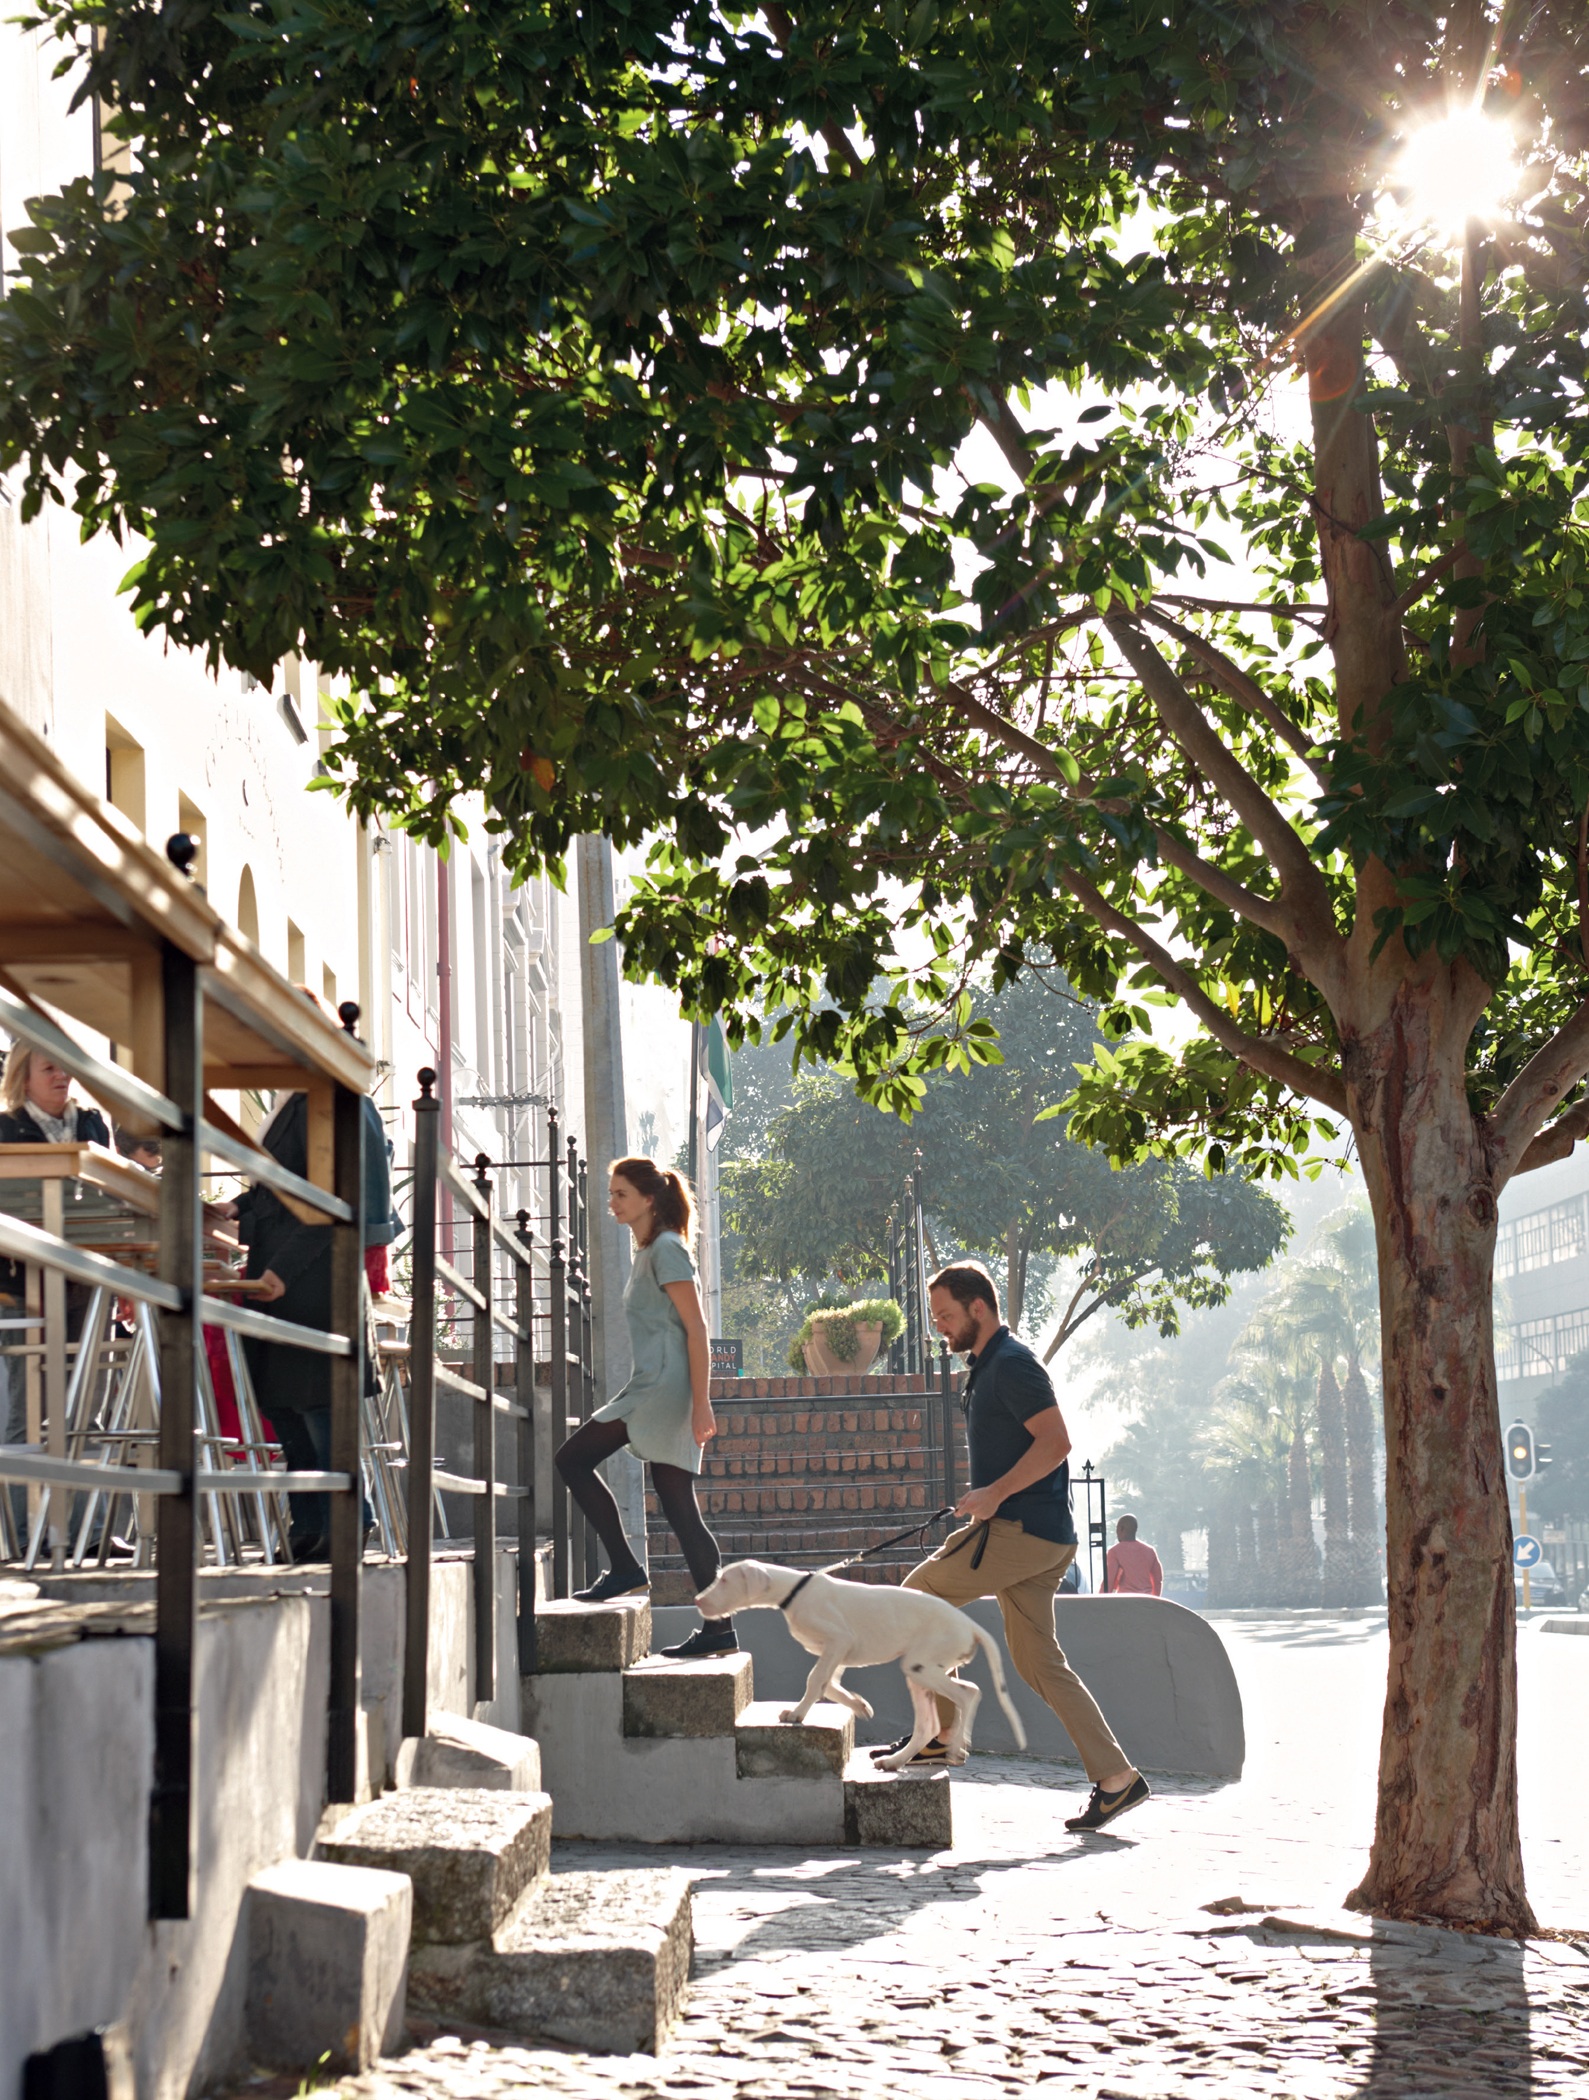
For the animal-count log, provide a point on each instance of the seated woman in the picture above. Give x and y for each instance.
(39, 1109)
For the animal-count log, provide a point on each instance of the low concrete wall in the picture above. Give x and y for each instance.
(76, 1748)
(680, 1789)
(1159, 1672)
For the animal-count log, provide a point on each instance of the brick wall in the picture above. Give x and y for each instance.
(807, 1470)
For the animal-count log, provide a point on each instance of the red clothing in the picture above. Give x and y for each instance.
(378, 1270)
(1134, 1568)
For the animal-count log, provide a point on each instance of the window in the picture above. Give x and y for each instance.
(1542, 1238)
(248, 908)
(124, 773)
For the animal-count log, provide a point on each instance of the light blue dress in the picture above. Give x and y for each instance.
(658, 1403)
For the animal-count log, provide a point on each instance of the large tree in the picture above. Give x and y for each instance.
(593, 388)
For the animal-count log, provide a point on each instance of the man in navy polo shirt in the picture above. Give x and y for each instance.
(1020, 1536)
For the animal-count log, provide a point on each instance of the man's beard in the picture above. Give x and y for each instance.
(963, 1338)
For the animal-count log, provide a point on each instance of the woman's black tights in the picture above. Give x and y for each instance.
(590, 1446)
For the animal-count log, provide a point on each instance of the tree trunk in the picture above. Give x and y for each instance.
(1446, 1842)
(1270, 1585)
(1339, 1586)
(1368, 1521)
(1301, 1555)
(1247, 1554)
(1014, 1277)
(1224, 1563)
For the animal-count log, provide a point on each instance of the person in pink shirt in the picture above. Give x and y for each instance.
(1133, 1566)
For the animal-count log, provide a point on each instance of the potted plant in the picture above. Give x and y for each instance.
(842, 1341)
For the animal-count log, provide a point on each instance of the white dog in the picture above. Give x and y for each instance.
(845, 1623)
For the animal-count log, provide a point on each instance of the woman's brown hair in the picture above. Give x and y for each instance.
(672, 1204)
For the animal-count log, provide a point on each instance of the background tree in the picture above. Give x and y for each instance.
(1337, 1586)
(1002, 1180)
(592, 390)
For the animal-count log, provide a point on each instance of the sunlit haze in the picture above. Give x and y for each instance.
(1459, 168)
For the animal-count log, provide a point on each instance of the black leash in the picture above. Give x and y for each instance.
(915, 1531)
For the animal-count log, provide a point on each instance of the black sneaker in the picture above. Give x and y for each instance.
(933, 1753)
(637, 1583)
(715, 1637)
(1102, 1808)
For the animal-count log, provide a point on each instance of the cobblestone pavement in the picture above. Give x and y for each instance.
(1031, 1961)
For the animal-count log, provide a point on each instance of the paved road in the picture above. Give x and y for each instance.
(1028, 1961)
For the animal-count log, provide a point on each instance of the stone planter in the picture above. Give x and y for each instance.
(822, 1363)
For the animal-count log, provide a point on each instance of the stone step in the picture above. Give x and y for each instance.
(666, 1698)
(594, 1961)
(767, 1748)
(327, 1951)
(470, 1853)
(907, 1809)
(455, 1752)
(570, 1636)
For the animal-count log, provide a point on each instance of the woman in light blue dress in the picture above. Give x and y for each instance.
(664, 1414)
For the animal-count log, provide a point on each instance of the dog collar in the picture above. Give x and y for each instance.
(784, 1603)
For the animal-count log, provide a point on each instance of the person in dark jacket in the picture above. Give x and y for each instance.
(293, 1386)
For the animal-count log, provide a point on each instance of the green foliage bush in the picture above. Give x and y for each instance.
(841, 1326)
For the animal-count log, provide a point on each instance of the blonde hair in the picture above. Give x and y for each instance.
(669, 1195)
(14, 1088)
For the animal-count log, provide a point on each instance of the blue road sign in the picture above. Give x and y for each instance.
(1526, 1552)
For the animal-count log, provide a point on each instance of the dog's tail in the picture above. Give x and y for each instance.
(990, 1648)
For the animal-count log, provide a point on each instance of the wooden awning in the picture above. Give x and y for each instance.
(85, 907)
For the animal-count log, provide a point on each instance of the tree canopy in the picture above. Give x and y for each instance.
(812, 441)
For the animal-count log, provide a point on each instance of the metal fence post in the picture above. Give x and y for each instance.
(485, 1450)
(524, 1392)
(422, 1411)
(579, 1406)
(946, 1402)
(181, 1262)
(347, 1406)
(559, 1348)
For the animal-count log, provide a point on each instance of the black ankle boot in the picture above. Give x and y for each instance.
(632, 1582)
(715, 1637)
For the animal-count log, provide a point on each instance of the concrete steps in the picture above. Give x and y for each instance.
(595, 1961)
(634, 1746)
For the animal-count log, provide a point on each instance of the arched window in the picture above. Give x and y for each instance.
(248, 908)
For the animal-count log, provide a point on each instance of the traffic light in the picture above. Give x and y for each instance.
(1521, 1456)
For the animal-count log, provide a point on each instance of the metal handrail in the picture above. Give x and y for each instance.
(30, 1243)
(260, 1166)
(263, 1327)
(155, 1480)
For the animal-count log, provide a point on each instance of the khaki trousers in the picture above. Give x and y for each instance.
(1023, 1573)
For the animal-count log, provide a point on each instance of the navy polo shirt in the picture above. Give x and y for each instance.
(1006, 1388)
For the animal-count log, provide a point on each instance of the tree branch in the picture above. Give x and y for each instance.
(1235, 683)
(1003, 427)
(1325, 1087)
(1556, 1140)
(1265, 912)
(1302, 890)
(1518, 1118)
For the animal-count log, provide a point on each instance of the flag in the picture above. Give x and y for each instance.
(717, 1074)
